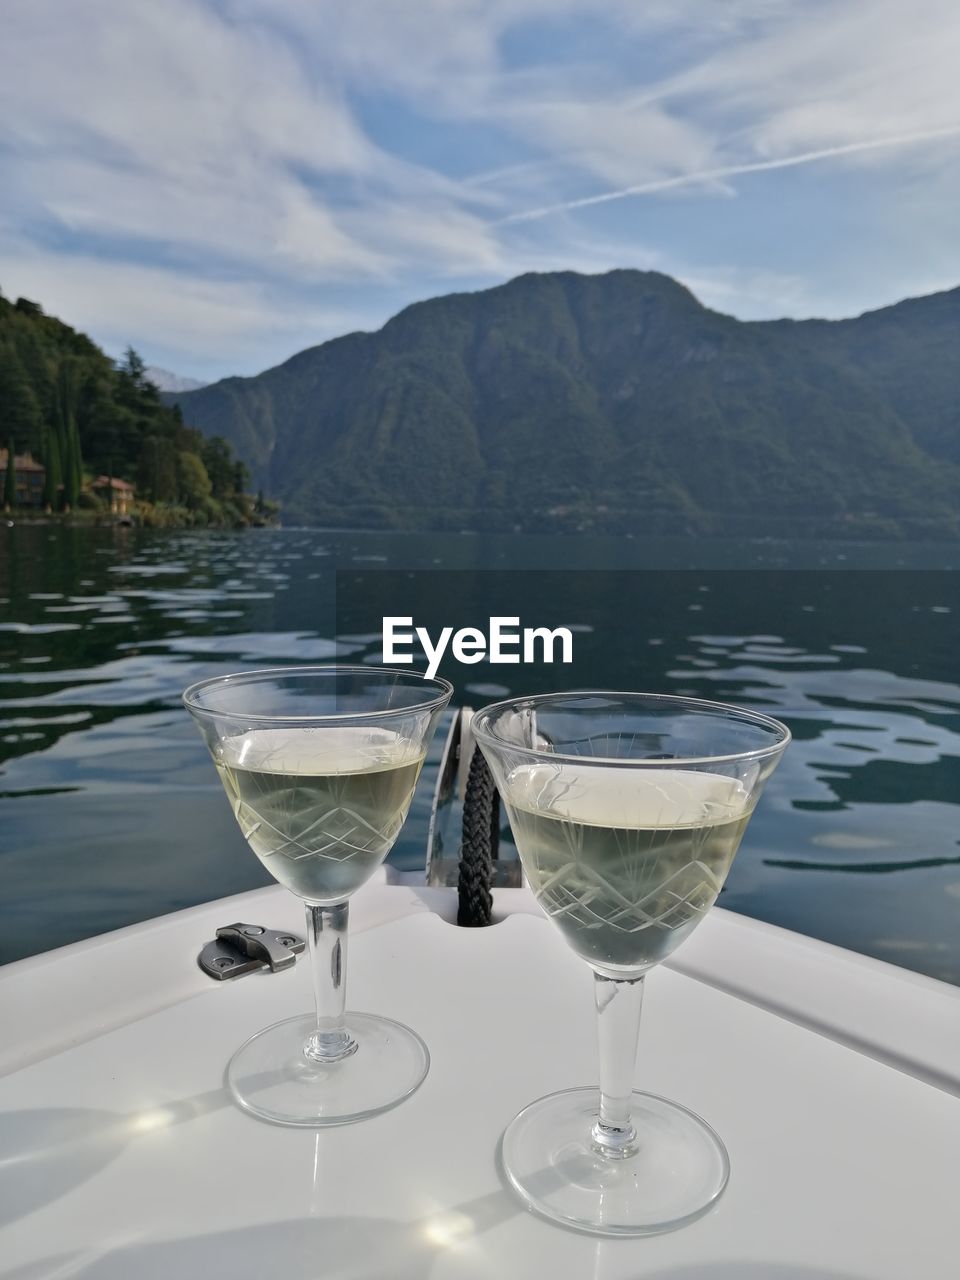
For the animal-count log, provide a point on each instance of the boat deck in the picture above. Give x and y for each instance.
(834, 1081)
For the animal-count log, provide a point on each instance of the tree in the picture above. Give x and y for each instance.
(134, 366)
(10, 481)
(195, 486)
(19, 410)
(54, 476)
(219, 463)
(72, 473)
(157, 469)
(68, 437)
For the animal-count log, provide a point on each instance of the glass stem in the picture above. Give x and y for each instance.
(618, 1029)
(327, 946)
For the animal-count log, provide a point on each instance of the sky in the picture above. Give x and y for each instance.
(221, 183)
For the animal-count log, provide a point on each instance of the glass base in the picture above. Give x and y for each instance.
(271, 1076)
(678, 1172)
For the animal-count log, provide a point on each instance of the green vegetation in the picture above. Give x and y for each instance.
(10, 479)
(615, 403)
(65, 402)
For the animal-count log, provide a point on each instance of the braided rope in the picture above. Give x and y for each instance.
(481, 834)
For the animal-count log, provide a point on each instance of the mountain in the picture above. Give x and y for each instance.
(164, 380)
(614, 402)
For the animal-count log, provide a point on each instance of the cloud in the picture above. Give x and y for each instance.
(211, 170)
(174, 129)
(711, 176)
(178, 128)
(825, 73)
(844, 80)
(206, 323)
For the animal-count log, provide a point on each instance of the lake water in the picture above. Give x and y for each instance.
(110, 810)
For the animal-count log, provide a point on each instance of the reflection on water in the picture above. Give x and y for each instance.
(111, 811)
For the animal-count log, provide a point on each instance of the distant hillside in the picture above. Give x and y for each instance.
(612, 402)
(63, 400)
(164, 380)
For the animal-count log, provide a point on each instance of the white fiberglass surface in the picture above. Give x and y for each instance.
(124, 1156)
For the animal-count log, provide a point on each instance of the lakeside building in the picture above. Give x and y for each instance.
(30, 476)
(118, 493)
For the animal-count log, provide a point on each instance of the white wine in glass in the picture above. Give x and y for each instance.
(321, 808)
(625, 872)
(320, 766)
(627, 811)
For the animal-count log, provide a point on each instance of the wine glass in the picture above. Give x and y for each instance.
(320, 766)
(627, 810)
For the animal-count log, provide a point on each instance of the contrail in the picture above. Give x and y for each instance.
(732, 171)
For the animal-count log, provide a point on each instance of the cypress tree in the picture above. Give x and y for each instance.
(63, 447)
(10, 483)
(78, 455)
(53, 477)
(71, 471)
